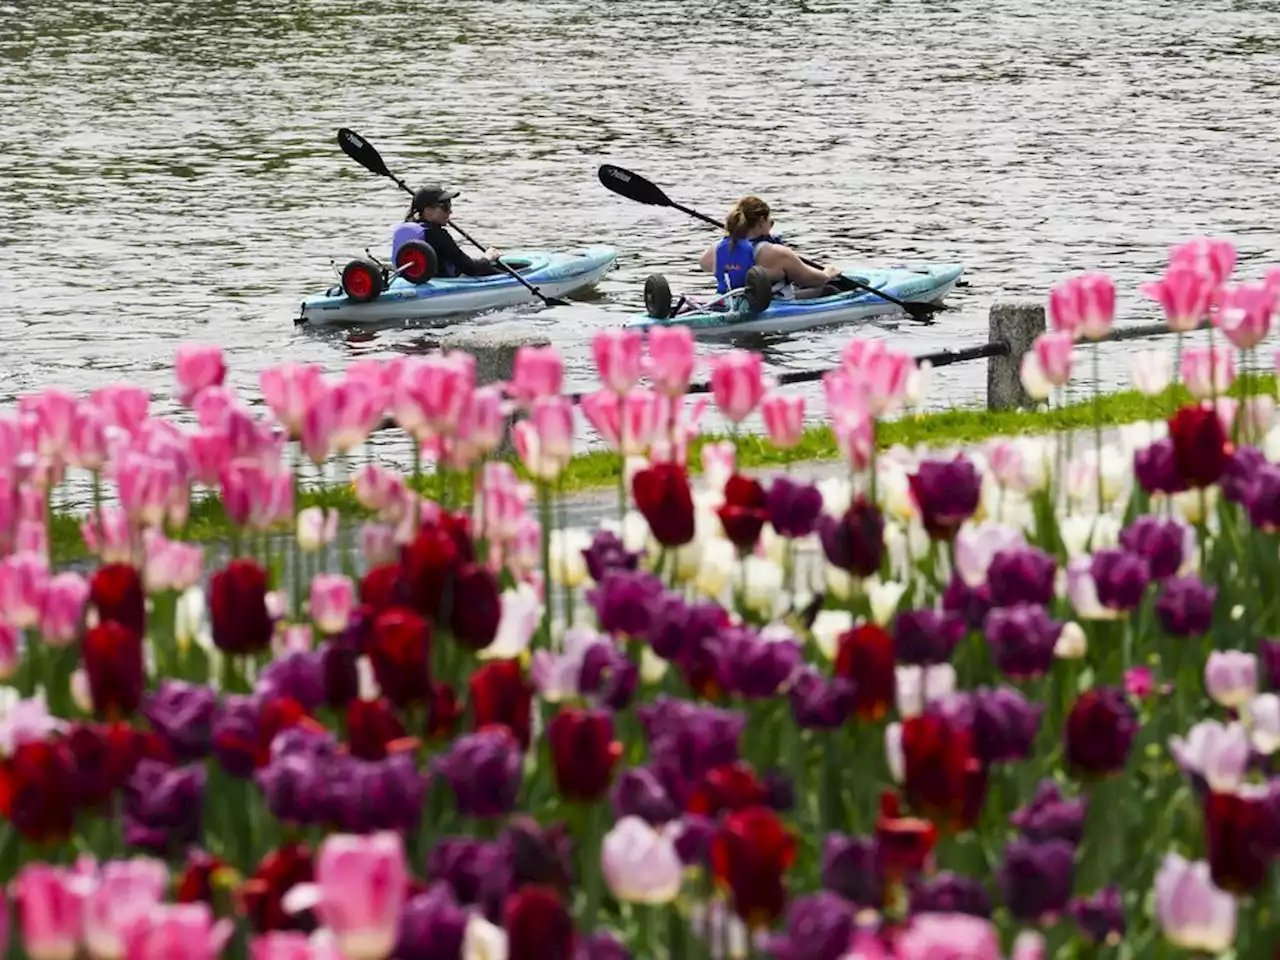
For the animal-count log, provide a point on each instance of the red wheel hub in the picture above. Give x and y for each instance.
(357, 282)
(413, 264)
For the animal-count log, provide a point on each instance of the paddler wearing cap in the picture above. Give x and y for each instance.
(428, 213)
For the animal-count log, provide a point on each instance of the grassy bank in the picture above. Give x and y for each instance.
(599, 470)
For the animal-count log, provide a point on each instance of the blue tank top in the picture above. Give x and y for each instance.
(733, 259)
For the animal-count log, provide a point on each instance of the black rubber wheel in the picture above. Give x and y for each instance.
(362, 280)
(657, 296)
(758, 290)
(417, 261)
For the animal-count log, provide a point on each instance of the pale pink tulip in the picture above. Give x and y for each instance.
(24, 581)
(1208, 373)
(544, 442)
(171, 564)
(333, 597)
(524, 554)
(361, 886)
(377, 488)
(122, 893)
(855, 437)
(845, 393)
(124, 405)
(1097, 293)
(1244, 314)
(625, 422)
(87, 443)
(1005, 459)
(316, 527)
(178, 931)
(1257, 413)
(857, 353)
(886, 374)
(50, 909)
(932, 936)
(10, 638)
(108, 538)
(502, 501)
(538, 373)
(1216, 258)
(619, 356)
(32, 536)
(483, 421)
(293, 946)
(737, 383)
(719, 463)
(340, 418)
(382, 377)
(1053, 353)
(288, 389)
(1192, 911)
(254, 497)
(783, 419)
(145, 484)
(1184, 293)
(671, 359)
(1152, 371)
(198, 367)
(378, 543)
(64, 601)
(53, 412)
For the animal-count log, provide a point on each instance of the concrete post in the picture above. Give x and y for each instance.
(495, 353)
(1016, 323)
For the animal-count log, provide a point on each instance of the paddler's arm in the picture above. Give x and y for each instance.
(777, 258)
(708, 260)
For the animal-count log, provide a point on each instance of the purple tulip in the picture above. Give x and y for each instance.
(607, 554)
(1263, 498)
(855, 541)
(600, 946)
(1160, 542)
(1236, 482)
(1024, 575)
(1120, 578)
(1156, 468)
(608, 675)
(1004, 724)
(793, 508)
(1100, 917)
(693, 841)
(539, 855)
(469, 866)
(638, 792)
(296, 781)
(432, 926)
(947, 493)
(678, 630)
(687, 740)
(298, 675)
(951, 893)
(1269, 653)
(1022, 639)
(969, 603)
(365, 796)
(163, 806)
(484, 770)
(819, 703)
(1049, 816)
(851, 867)
(779, 790)
(926, 637)
(622, 600)
(1036, 879)
(235, 735)
(819, 927)
(1185, 607)
(752, 667)
(182, 714)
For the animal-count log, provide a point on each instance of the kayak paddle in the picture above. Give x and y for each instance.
(635, 187)
(363, 152)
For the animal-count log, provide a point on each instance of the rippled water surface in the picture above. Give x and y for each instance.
(169, 171)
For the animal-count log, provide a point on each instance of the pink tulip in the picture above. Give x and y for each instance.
(857, 353)
(1217, 258)
(626, 422)
(1097, 293)
(108, 538)
(432, 393)
(1065, 309)
(845, 392)
(123, 893)
(210, 453)
(1053, 353)
(198, 367)
(50, 911)
(378, 544)
(179, 931)
(145, 485)
(64, 601)
(361, 886)
(671, 356)
(855, 437)
(333, 597)
(737, 383)
(292, 946)
(886, 374)
(24, 581)
(378, 488)
(933, 936)
(783, 420)
(483, 421)
(1208, 373)
(719, 463)
(502, 502)
(525, 549)
(87, 443)
(53, 412)
(1244, 314)
(10, 637)
(124, 405)
(316, 527)
(544, 442)
(382, 377)
(619, 356)
(32, 536)
(171, 564)
(211, 406)
(538, 373)
(342, 417)
(1185, 293)
(253, 497)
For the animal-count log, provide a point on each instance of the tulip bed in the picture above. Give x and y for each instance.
(1015, 703)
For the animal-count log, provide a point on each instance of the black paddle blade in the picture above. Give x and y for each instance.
(632, 186)
(362, 152)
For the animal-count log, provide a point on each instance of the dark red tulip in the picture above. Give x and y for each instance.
(750, 854)
(1240, 840)
(731, 786)
(261, 896)
(106, 755)
(1100, 730)
(339, 673)
(943, 777)
(428, 563)
(501, 695)
(584, 753)
(854, 542)
(283, 713)
(113, 664)
(904, 843)
(382, 587)
(37, 790)
(477, 607)
(443, 712)
(538, 925)
(866, 657)
(371, 726)
(116, 592)
(201, 875)
(947, 493)
(238, 608)
(665, 501)
(744, 512)
(1201, 448)
(400, 653)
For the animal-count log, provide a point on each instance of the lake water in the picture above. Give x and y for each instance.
(169, 172)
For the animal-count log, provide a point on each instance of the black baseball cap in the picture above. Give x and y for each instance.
(432, 195)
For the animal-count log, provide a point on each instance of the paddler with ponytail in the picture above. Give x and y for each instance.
(749, 243)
